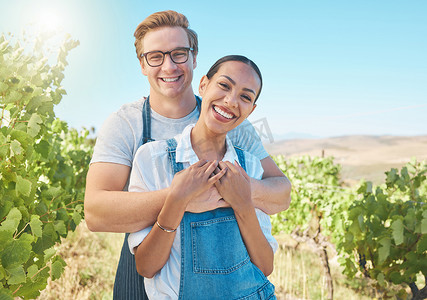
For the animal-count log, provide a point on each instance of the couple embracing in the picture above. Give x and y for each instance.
(200, 184)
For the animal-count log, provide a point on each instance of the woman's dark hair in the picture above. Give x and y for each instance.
(212, 71)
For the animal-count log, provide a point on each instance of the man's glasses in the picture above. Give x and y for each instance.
(156, 58)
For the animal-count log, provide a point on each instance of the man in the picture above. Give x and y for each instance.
(167, 51)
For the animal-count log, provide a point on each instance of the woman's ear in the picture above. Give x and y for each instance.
(202, 85)
(253, 108)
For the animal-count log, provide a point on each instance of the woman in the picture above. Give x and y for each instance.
(221, 254)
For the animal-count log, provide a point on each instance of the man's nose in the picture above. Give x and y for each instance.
(168, 63)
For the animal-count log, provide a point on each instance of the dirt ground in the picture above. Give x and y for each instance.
(360, 156)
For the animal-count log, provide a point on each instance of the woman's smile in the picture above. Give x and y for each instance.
(223, 112)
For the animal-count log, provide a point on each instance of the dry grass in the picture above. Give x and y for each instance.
(92, 260)
(298, 275)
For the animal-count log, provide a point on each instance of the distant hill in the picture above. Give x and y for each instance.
(361, 156)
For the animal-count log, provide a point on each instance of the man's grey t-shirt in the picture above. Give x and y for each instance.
(120, 135)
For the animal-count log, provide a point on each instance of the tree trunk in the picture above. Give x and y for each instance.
(419, 294)
(329, 286)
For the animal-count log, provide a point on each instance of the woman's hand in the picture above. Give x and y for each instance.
(186, 185)
(234, 186)
(194, 181)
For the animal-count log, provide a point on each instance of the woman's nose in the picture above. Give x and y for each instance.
(231, 100)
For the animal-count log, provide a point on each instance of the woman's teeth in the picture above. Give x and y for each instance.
(223, 113)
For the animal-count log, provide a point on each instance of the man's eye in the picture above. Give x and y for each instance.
(155, 57)
(179, 54)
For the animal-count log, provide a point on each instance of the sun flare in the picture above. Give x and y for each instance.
(48, 21)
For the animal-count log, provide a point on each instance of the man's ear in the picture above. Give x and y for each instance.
(202, 85)
(143, 67)
(194, 61)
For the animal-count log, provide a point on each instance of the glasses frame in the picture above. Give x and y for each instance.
(167, 52)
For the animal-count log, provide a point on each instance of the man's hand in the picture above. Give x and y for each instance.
(206, 201)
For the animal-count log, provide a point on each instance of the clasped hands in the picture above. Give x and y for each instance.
(207, 185)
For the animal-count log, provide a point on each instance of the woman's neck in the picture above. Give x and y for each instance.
(206, 144)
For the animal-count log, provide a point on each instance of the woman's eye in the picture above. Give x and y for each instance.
(223, 85)
(246, 98)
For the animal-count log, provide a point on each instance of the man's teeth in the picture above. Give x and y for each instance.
(223, 113)
(170, 79)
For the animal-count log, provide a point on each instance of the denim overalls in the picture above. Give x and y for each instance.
(128, 284)
(214, 261)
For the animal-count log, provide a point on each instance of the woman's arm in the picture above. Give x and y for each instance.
(154, 251)
(235, 188)
(255, 241)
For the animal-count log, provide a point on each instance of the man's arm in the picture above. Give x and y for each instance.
(109, 209)
(272, 194)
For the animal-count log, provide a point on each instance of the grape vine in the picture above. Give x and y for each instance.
(386, 239)
(317, 213)
(43, 166)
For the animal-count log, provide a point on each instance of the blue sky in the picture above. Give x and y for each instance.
(330, 68)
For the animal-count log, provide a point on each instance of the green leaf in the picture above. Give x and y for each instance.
(33, 125)
(53, 192)
(5, 294)
(3, 87)
(60, 227)
(43, 148)
(17, 252)
(36, 225)
(368, 187)
(57, 269)
(49, 253)
(47, 240)
(396, 278)
(397, 231)
(13, 97)
(384, 250)
(2, 274)
(30, 290)
(424, 225)
(422, 244)
(17, 274)
(22, 137)
(34, 103)
(15, 148)
(12, 221)
(380, 279)
(3, 151)
(31, 271)
(77, 217)
(23, 186)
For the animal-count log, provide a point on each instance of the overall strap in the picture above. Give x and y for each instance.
(146, 120)
(146, 123)
(241, 155)
(199, 103)
(176, 167)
